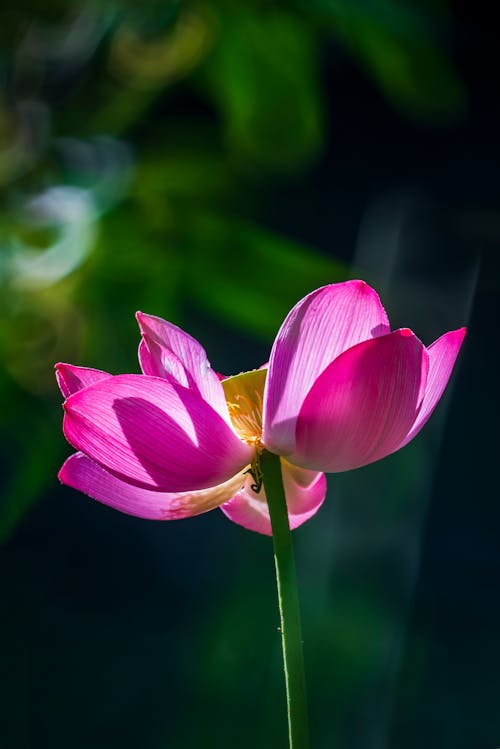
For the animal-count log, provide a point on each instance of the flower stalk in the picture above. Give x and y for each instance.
(288, 599)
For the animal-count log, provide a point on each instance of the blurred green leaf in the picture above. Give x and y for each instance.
(185, 169)
(150, 49)
(398, 45)
(263, 74)
(249, 277)
(36, 460)
(131, 268)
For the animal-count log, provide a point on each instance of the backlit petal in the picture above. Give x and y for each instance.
(158, 361)
(163, 339)
(442, 356)
(83, 474)
(319, 328)
(304, 490)
(363, 405)
(154, 433)
(71, 379)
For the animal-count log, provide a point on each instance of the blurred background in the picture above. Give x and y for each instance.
(212, 162)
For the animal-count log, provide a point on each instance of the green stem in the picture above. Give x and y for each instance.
(291, 635)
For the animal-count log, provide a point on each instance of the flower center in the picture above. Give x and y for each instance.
(244, 394)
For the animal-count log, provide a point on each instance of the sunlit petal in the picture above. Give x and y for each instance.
(71, 379)
(164, 339)
(90, 478)
(362, 406)
(305, 491)
(157, 361)
(442, 356)
(319, 328)
(154, 433)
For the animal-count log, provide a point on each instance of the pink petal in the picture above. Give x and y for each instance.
(305, 491)
(165, 341)
(319, 328)
(154, 433)
(83, 474)
(157, 361)
(71, 378)
(442, 357)
(363, 405)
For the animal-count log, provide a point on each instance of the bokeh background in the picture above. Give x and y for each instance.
(212, 162)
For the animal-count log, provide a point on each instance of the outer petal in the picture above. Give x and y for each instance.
(305, 491)
(71, 378)
(166, 346)
(363, 405)
(319, 328)
(90, 478)
(442, 356)
(154, 433)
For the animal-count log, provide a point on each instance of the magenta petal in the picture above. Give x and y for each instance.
(163, 339)
(319, 328)
(442, 356)
(157, 361)
(83, 474)
(305, 491)
(154, 433)
(71, 378)
(363, 405)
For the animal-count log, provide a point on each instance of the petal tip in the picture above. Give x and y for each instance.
(60, 367)
(142, 320)
(457, 335)
(362, 285)
(62, 475)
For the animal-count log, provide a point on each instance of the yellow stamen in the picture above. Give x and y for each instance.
(244, 395)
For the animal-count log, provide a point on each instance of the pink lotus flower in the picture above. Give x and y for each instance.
(340, 391)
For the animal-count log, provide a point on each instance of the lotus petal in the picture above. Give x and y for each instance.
(166, 346)
(363, 405)
(71, 379)
(83, 474)
(317, 330)
(442, 356)
(154, 433)
(304, 490)
(157, 361)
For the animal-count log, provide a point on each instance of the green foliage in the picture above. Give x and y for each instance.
(263, 74)
(398, 46)
(250, 278)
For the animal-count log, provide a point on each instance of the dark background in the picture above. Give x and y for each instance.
(212, 163)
